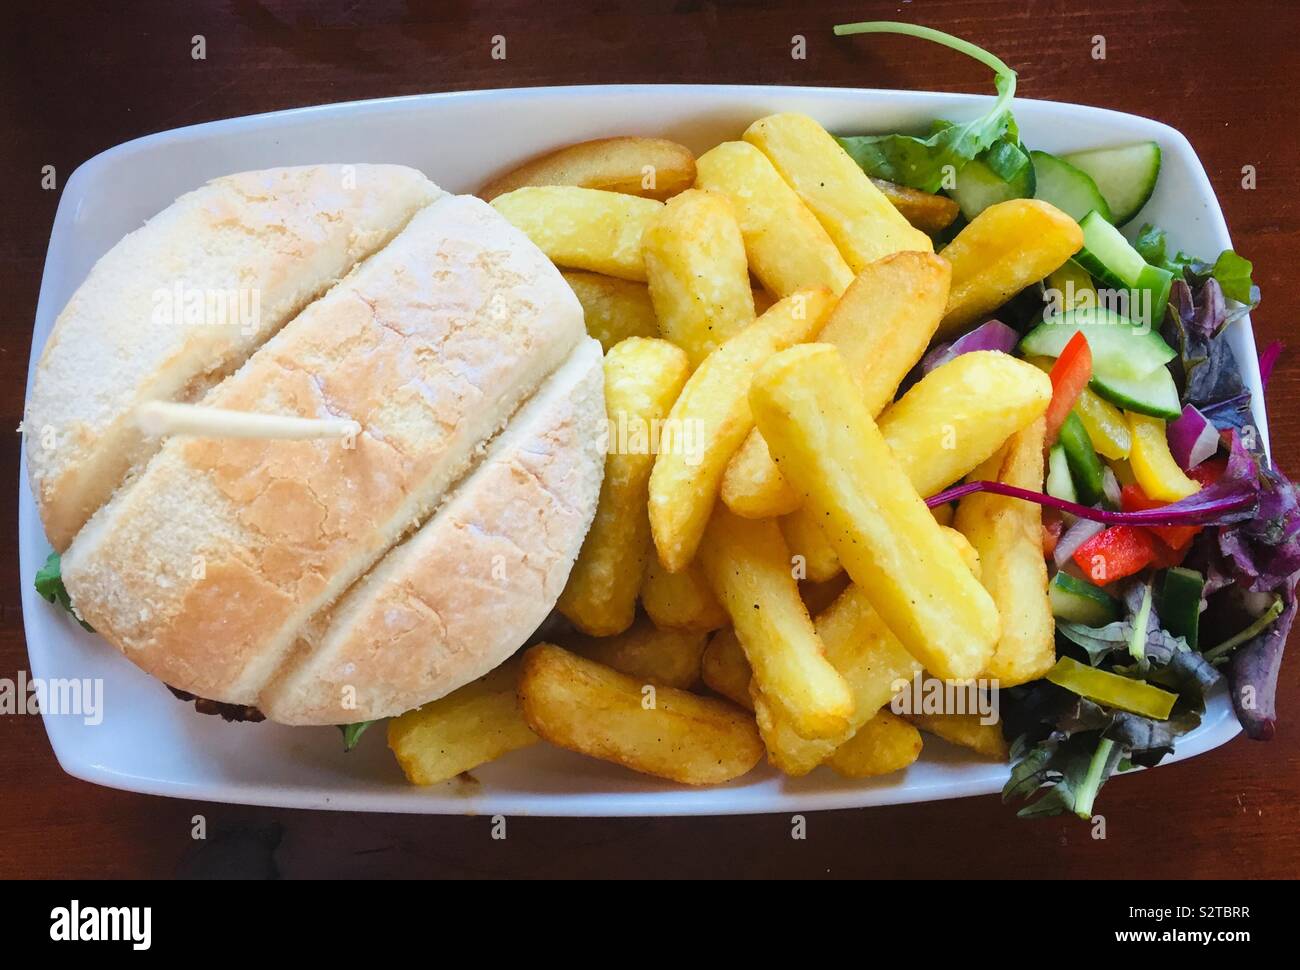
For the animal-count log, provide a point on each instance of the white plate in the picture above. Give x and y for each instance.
(149, 742)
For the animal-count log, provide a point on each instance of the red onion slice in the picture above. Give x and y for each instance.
(993, 335)
(1193, 438)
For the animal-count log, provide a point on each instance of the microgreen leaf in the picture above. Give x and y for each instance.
(918, 162)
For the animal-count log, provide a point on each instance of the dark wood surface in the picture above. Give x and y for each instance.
(81, 77)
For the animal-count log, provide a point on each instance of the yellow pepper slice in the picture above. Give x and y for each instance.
(1112, 690)
(1153, 465)
(1123, 471)
(1105, 425)
(1104, 422)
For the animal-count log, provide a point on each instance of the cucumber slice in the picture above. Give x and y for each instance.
(1119, 347)
(1070, 189)
(1059, 484)
(1128, 362)
(1154, 394)
(1180, 603)
(1125, 176)
(1107, 255)
(1085, 467)
(1153, 287)
(1078, 601)
(1116, 265)
(1002, 173)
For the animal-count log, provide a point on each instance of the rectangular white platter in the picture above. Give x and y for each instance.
(149, 742)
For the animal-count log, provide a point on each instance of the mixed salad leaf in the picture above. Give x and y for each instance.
(1256, 561)
(49, 584)
(1202, 534)
(923, 162)
(352, 733)
(1246, 552)
(1067, 745)
(1230, 271)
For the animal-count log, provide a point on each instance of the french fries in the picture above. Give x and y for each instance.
(819, 595)
(867, 656)
(652, 167)
(882, 325)
(804, 535)
(863, 224)
(1004, 249)
(713, 410)
(725, 669)
(1007, 533)
(926, 211)
(965, 730)
(960, 413)
(614, 309)
(469, 727)
(885, 321)
(583, 228)
(787, 247)
(969, 554)
(820, 582)
(642, 380)
(883, 745)
(586, 707)
(949, 422)
(681, 601)
(647, 653)
(752, 485)
(810, 411)
(748, 564)
(699, 281)
(858, 645)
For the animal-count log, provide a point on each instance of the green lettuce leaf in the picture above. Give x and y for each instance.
(352, 733)
(1065, 747)
(1100, 643)
(49, 585)
(1232, 272)
(919, 162)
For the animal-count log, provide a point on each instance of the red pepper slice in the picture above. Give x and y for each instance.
(1176, 537)
(1166, 556)
(1114, 553)
(1208, 472)
(1069, 375)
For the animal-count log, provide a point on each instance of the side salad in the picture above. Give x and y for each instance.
(1172, 541)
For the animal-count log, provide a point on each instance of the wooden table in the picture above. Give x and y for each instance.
(81, 77)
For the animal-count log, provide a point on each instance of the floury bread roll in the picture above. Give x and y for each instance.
(457, 598)
(181, 302)
(208, 567)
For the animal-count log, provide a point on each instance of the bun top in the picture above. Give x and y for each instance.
(178, 304)
(207, 567)
(458, 597)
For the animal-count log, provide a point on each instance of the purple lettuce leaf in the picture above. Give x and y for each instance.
(1260, 554)
(1253, 674)
(1206, 367)
(1264, 550)
(1232, 414)
(1268, 360)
